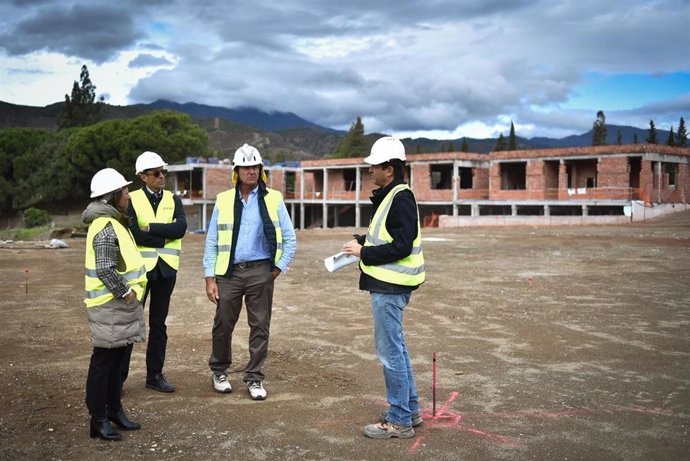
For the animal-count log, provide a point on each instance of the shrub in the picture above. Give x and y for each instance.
(34, 217)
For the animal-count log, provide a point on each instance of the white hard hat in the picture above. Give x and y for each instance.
(149, 160)
(385, 149)
(107, 180)
(247, 156)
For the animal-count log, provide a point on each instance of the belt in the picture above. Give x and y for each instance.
(249, 264)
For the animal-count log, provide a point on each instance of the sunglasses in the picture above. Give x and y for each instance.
(157, 173)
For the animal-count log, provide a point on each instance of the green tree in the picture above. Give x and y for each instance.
(635, 140)
(651, 137)
(671, 140)
(418, 149)
(81, 109)
(619, 137)
(116, 144)
(464, 147)
(682, 134)
(512, 140)
(599, 131)
(500, 143)
(20, 158)
(451, 146)
(354, 144)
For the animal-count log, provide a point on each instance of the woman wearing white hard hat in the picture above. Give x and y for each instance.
(115, 280)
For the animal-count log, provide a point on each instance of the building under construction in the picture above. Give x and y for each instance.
(585, 185)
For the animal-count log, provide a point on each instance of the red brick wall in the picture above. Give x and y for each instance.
(217, 181)
(421, 175)
(534, 183)
(613, 178)
(646, 181)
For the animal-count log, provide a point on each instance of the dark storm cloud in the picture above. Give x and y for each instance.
(412, 65)
(96, 32)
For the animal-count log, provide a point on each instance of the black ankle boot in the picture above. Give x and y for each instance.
(120, 418)
(101, 428)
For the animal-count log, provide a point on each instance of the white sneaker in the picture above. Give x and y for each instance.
(221, 383)
(256, 390)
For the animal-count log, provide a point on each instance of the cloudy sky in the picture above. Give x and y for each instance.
(436, 68)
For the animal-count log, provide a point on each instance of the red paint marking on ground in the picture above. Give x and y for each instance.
(447, 419)
(584, 411)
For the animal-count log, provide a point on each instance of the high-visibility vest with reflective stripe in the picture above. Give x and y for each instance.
(134, 272)
(408, 271)
(225, 203)
(170, 253)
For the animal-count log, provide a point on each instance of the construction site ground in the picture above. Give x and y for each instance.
(552, 343)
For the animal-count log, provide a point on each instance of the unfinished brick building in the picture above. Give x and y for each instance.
(587, 185)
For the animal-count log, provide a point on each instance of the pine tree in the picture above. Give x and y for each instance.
(81, 109)
(451, 146)
(651, 137)
(512, 141)
(354, 144)
(682, 134)
(418, 149)
(599, 131)
(464, 147)
(619, 138)
(500, 144)
(635, 140)
(671, 141)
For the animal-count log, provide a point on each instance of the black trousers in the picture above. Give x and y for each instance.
(103, 381)
(159, 293)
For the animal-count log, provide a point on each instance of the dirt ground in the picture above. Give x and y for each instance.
(552, 343)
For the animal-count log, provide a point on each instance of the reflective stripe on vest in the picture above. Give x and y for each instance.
(134, 273)
(225, 202)
(408, 271)
(164, 214)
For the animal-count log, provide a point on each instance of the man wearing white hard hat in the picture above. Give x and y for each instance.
(392, 266)
(158, 225)
(115, 281)
(249, 243)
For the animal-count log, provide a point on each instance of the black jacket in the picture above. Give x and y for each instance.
(159, 233)
(401, 224)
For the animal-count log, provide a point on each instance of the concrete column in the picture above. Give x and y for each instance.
(659, 180)
(585, 210)
(324, 206)
(474, 209)
(456, 187)
(301, 199)
(513, 210)
(358, 188)
(203, 217)
(547, 210)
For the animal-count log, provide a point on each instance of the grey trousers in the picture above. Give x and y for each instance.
(255, 286)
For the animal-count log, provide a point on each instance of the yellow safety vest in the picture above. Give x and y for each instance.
(225, 202)
(134, 272)
(170, 253)
(408, 271)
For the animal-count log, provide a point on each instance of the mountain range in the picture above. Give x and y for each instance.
(285, 136)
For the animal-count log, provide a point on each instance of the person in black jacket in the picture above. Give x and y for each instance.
(392, 265)
(158, 225)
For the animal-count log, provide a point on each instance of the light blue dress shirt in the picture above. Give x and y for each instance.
(251, 241)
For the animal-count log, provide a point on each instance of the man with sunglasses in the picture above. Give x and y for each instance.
(158, 225)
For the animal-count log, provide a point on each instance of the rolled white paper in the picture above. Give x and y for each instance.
(338, 261)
